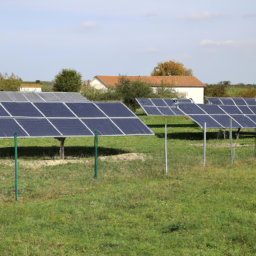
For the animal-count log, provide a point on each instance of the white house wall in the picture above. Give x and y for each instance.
(97, 84)
(196, 93)
(28, 89)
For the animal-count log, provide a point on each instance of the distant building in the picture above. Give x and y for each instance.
(29, 87)
(187, 86)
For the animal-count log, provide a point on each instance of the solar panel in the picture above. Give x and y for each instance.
(48, 96)
(239, 101)
(252, 117)
(169, 102)
(71, 127)
(253, 109)
(3, 112)
(54, 109)
(201, 119)
(159, 102)
(177, 112)
(182, 100)
(227, 101)
(33, 97)
(224, 120)
(245, 110)
(70, 97)
(144, 102)
(21, 109)
(211, 109)
(250, 101)
(244, 121)
(166, 111)
(104, 126)
(4, 96)
(231, 110)
(8, 127)
(16, 96)
(191, 109)
(152, 111)
(132, 126)
(215, 101)
(115, 109)
(85, 110)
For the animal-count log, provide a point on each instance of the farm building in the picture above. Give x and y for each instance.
(186, 86)
(29, 87)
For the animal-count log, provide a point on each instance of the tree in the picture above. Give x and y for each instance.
(9, 83)
(68, 80)
(171, 68)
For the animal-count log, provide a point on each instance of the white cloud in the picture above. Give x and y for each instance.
(217, 43)
(89, 24)
(201, 16)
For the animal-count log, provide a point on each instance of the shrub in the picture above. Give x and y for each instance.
(215, 90)
(9, 83)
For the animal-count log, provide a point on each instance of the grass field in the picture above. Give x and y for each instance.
(133, 208)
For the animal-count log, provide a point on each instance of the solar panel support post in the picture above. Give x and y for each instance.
(204, 151)
(165, 149)
(230, 137)
(96, 154)
(61, 140)
(16, 166)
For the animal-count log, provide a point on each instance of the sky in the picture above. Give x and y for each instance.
(214, 38)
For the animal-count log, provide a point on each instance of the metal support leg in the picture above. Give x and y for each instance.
(62, 140)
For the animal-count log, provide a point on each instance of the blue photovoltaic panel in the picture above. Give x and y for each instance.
(144, 102)
(8, 127)
(244, 121)
(48, 96)
(253, 109)
(70, 127)
(191, 109)
(169, 102)
(3, 112)
(85, 110)
(33, 97)
(231, 110)
(177, 112)
(152, 111)
(227, 101)
(132, 126)
(215, 101)
(239, 101)
(104, 126)
(21, 109)
(224, 120)
(201, 119)
(166, 111)
(38, 127)
(54, 109)
(4, 96)
(211, 109)
(250, 101)
(182, 100)
(17, 96)
(115, 109)
(159, 102)
(245, 110)
(252, 117)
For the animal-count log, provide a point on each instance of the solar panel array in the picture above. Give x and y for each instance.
(42, 97)
(69, 119)
(241, 111)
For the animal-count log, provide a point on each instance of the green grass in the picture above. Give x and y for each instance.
(133, 208)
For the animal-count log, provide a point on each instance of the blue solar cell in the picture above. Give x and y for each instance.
(3, 112)
(231, 110)
(144, 102)
(215, 101)
(169, 102)
(182, 100)
(177, 112)
(191, 109)
(227, 101)
(38, 127)
(211, 109)
(21, 109)
(250, 101)
(224, 120)
(239, 101)
(132, 126)
(159, 102)
(71, 127)
(166, 111)
(104, 126)
(252, 117)
(244, 121)
(201, 119)
(253, 109)
(152, 111)
(8, 127)
(245, 110)
(54, 109)
(115, 109)
(85, 110)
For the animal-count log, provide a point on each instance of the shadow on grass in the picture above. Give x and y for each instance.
(171, 125)
(54, 151)
(188, 135)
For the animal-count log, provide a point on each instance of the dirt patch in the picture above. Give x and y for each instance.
(223, 145)
(40, 163)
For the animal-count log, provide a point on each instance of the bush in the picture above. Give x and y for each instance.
(9, 83)
(215, 90)
(68, 80)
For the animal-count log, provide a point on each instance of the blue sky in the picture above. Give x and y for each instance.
(215, 38)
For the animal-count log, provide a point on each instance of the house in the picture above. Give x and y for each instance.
(30, 87)
(186, 86)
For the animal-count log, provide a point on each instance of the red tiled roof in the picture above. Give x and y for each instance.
(174, 81)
